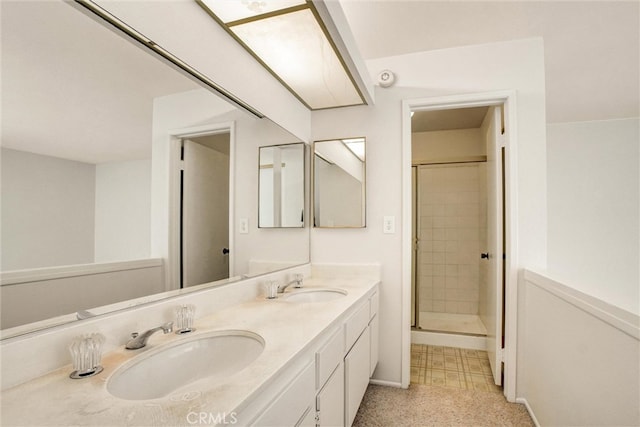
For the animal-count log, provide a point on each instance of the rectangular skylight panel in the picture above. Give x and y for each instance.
(234, 10)
(295, 48)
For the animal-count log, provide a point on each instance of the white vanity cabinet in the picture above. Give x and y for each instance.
(329, 382)
(361, 331)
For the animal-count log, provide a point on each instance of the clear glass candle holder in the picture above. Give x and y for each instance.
(86, 353)
(184, 318)
(271, 289)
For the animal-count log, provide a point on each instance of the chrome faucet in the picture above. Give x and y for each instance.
(140, 340)
(297, 280)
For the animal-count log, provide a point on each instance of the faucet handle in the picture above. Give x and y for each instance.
(134, 334)
(167, 327)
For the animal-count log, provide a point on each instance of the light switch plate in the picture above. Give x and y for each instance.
(244, 226)
(389, 225)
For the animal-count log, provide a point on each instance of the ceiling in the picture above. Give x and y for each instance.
(592, 55)
(592, 48)
(74, 89)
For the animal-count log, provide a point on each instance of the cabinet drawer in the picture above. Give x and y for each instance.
(356, 324)
(289, 408)
(328, 357)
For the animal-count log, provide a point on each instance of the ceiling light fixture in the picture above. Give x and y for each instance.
(290, 40)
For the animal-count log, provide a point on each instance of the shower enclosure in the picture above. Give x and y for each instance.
(450, 233)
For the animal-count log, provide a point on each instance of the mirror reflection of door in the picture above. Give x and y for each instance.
(205, 210)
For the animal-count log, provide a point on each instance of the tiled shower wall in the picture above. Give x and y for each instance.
(451, 208)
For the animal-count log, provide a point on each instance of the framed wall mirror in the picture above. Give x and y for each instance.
(87, 139)
(281, 186)
(339, 172)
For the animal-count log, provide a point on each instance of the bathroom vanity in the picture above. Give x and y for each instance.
(319, 349)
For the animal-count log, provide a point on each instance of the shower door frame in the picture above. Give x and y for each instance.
(508, 100)
(462, 161)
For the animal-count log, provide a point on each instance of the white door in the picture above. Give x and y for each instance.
(493, 256)
(205, 214)
(415, 314)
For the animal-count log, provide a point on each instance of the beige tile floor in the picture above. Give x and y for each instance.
(451, 367)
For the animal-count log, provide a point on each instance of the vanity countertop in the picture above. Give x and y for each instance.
(287, 328)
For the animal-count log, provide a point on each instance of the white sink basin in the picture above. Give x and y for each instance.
(164, 370)
(315, 295)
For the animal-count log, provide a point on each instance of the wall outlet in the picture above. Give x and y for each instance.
(243, 226)
(389, 225)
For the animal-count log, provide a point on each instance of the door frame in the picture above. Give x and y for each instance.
(175, 148)
(508, 99)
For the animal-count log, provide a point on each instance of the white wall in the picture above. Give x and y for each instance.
(594, 199)
(262, 247)
(47, 211)
(446, 145)
(516, 65)
(123, 210)
(580, 357)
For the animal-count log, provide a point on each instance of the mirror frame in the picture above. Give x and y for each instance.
(313, 183)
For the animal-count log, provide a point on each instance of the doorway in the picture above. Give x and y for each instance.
(204, 207)
(201, 200)
(459, 227)
(500, 259)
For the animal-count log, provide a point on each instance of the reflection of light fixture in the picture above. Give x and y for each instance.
(356, 145)
(290, 40)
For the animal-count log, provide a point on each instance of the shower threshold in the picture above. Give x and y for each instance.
(462, 324)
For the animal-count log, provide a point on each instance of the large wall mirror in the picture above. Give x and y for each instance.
(339, 183)
(282, 173)
(91, 135)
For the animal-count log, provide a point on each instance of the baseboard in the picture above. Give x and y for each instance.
(385, 383)
(524, 402)
(449, 340)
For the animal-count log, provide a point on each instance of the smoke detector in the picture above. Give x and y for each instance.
(386, 78)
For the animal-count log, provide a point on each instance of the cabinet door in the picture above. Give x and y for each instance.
(356, 374)
(309, 419)
(330, 400)
(373, 329)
